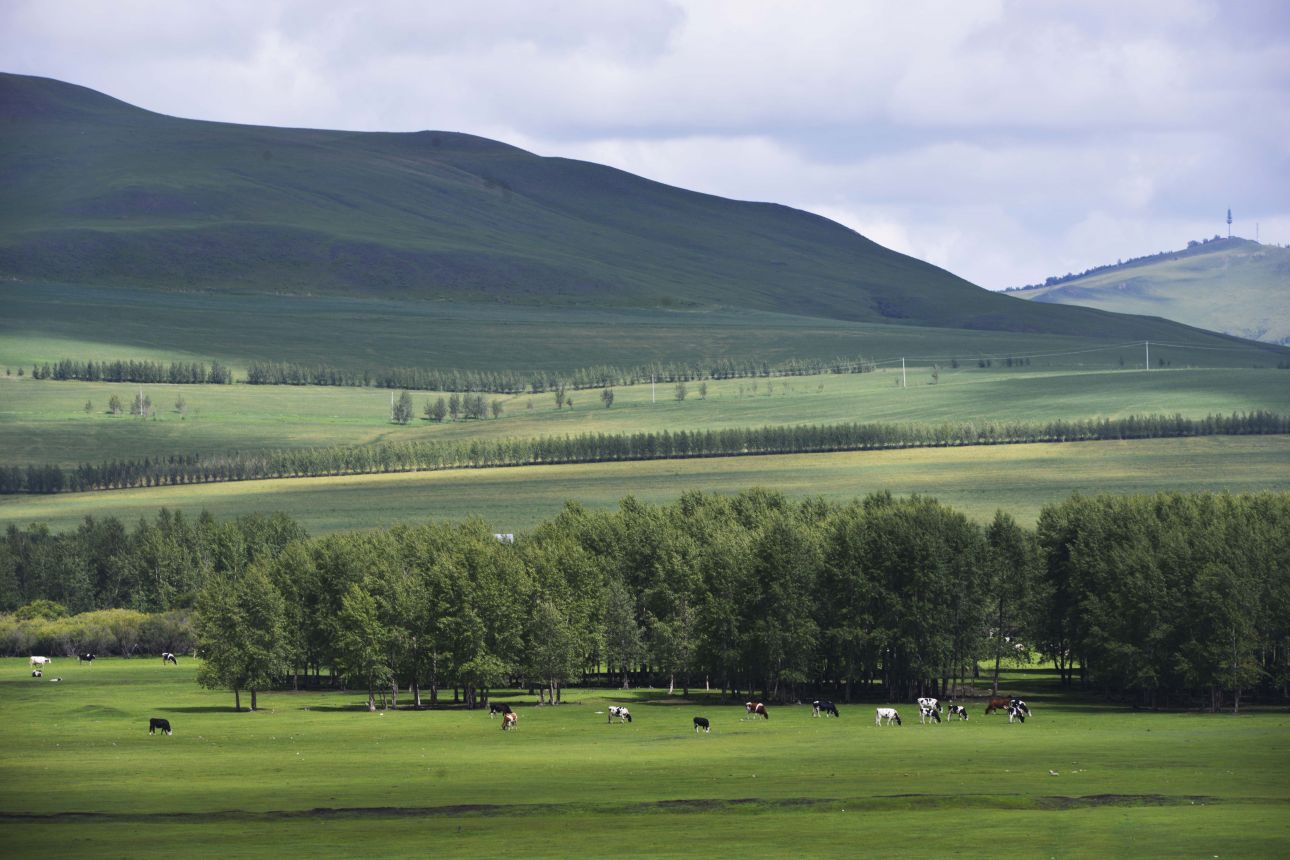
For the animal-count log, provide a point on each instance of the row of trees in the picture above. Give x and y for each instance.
(104, 632)
(176, 372)
(539, 381)
(1160, 600)
(385, 457)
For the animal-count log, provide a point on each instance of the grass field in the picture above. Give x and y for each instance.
(1080, 779)
(1019, 479)
(45, 421)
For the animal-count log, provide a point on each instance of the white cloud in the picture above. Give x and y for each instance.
(1003, 140)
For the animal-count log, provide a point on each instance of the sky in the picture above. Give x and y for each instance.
(1005, 141)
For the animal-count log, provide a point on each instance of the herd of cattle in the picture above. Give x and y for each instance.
(929, 709)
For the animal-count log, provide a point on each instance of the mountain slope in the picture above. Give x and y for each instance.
(1233, 286)
(95, 191)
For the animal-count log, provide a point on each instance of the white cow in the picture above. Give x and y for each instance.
(888, 714)
(41, 661)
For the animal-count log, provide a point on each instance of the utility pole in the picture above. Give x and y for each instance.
(902, 373)
(1229, 223)
(1147, 345)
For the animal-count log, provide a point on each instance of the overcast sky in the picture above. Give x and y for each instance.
(1005, 141)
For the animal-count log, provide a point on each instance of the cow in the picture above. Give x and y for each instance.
(757, 709)
(36, 673)
(1016, 713)
(927, 702)
(509, 720)
(85, 658)
(958, 711)
(823, 706)
(167, 657)
(494, 709)
(702, 723)
(928, 714)
(888, 714)
(623, 715)
(1021, 706)
(159, 723)
(997, 703)
(40, 661)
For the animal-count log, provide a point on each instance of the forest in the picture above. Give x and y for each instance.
(1170, 600)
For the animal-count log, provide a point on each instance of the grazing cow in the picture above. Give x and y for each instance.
(997, 703)
(926, 714)
(888, 714)
(509, 719)
(823, 706)
(167, 657)
(958, 711)
(494, 709)
(1019, 705)
(85, 658)
(158, 723)
(702, 723)
(927, 702)
(757, 709)
(623, 715)
(36, 673)
(1016, 713)
(40, 661)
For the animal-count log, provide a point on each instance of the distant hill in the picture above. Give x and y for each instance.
(1234, 286)
(96, 191)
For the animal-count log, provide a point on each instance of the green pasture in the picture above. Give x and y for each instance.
(46, 322)
(1019, 479)
(45, 421)
(82, 777)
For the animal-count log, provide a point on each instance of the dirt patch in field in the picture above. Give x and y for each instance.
(927, 802)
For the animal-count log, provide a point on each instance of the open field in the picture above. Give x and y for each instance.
(44, 421)
(1019, 479)
(46, 322)
(82, 777)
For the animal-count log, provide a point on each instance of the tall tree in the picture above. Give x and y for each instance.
(239, 624)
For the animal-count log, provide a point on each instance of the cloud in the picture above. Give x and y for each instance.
(1003, 140)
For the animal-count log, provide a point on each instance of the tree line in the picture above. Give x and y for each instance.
(175, 373)
(387, 457)
(1165, 600)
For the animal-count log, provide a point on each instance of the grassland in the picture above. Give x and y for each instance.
(1019, 479)
(1080, 779)
(45, 421)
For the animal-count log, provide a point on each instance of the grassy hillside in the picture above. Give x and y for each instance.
(1230, 285)
(99, 192)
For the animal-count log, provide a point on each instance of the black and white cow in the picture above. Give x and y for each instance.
(85, 658)
(167, 657)
(36, 673)
(958, 711)
(623, 715)
(702, 723)
(1016, 713)
(494, 709)
(888, 714)
(1019, 705)
(159, 723)
(928, 714)
(823, 706)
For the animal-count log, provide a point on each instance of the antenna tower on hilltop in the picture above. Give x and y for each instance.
(1229, 223)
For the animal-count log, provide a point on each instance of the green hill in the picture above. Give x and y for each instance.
(98, 192)
(1233, 286)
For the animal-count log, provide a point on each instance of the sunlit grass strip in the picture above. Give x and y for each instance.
(385, 458)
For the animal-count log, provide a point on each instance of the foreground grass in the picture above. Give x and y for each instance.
(1019, 479)
(82, 776)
